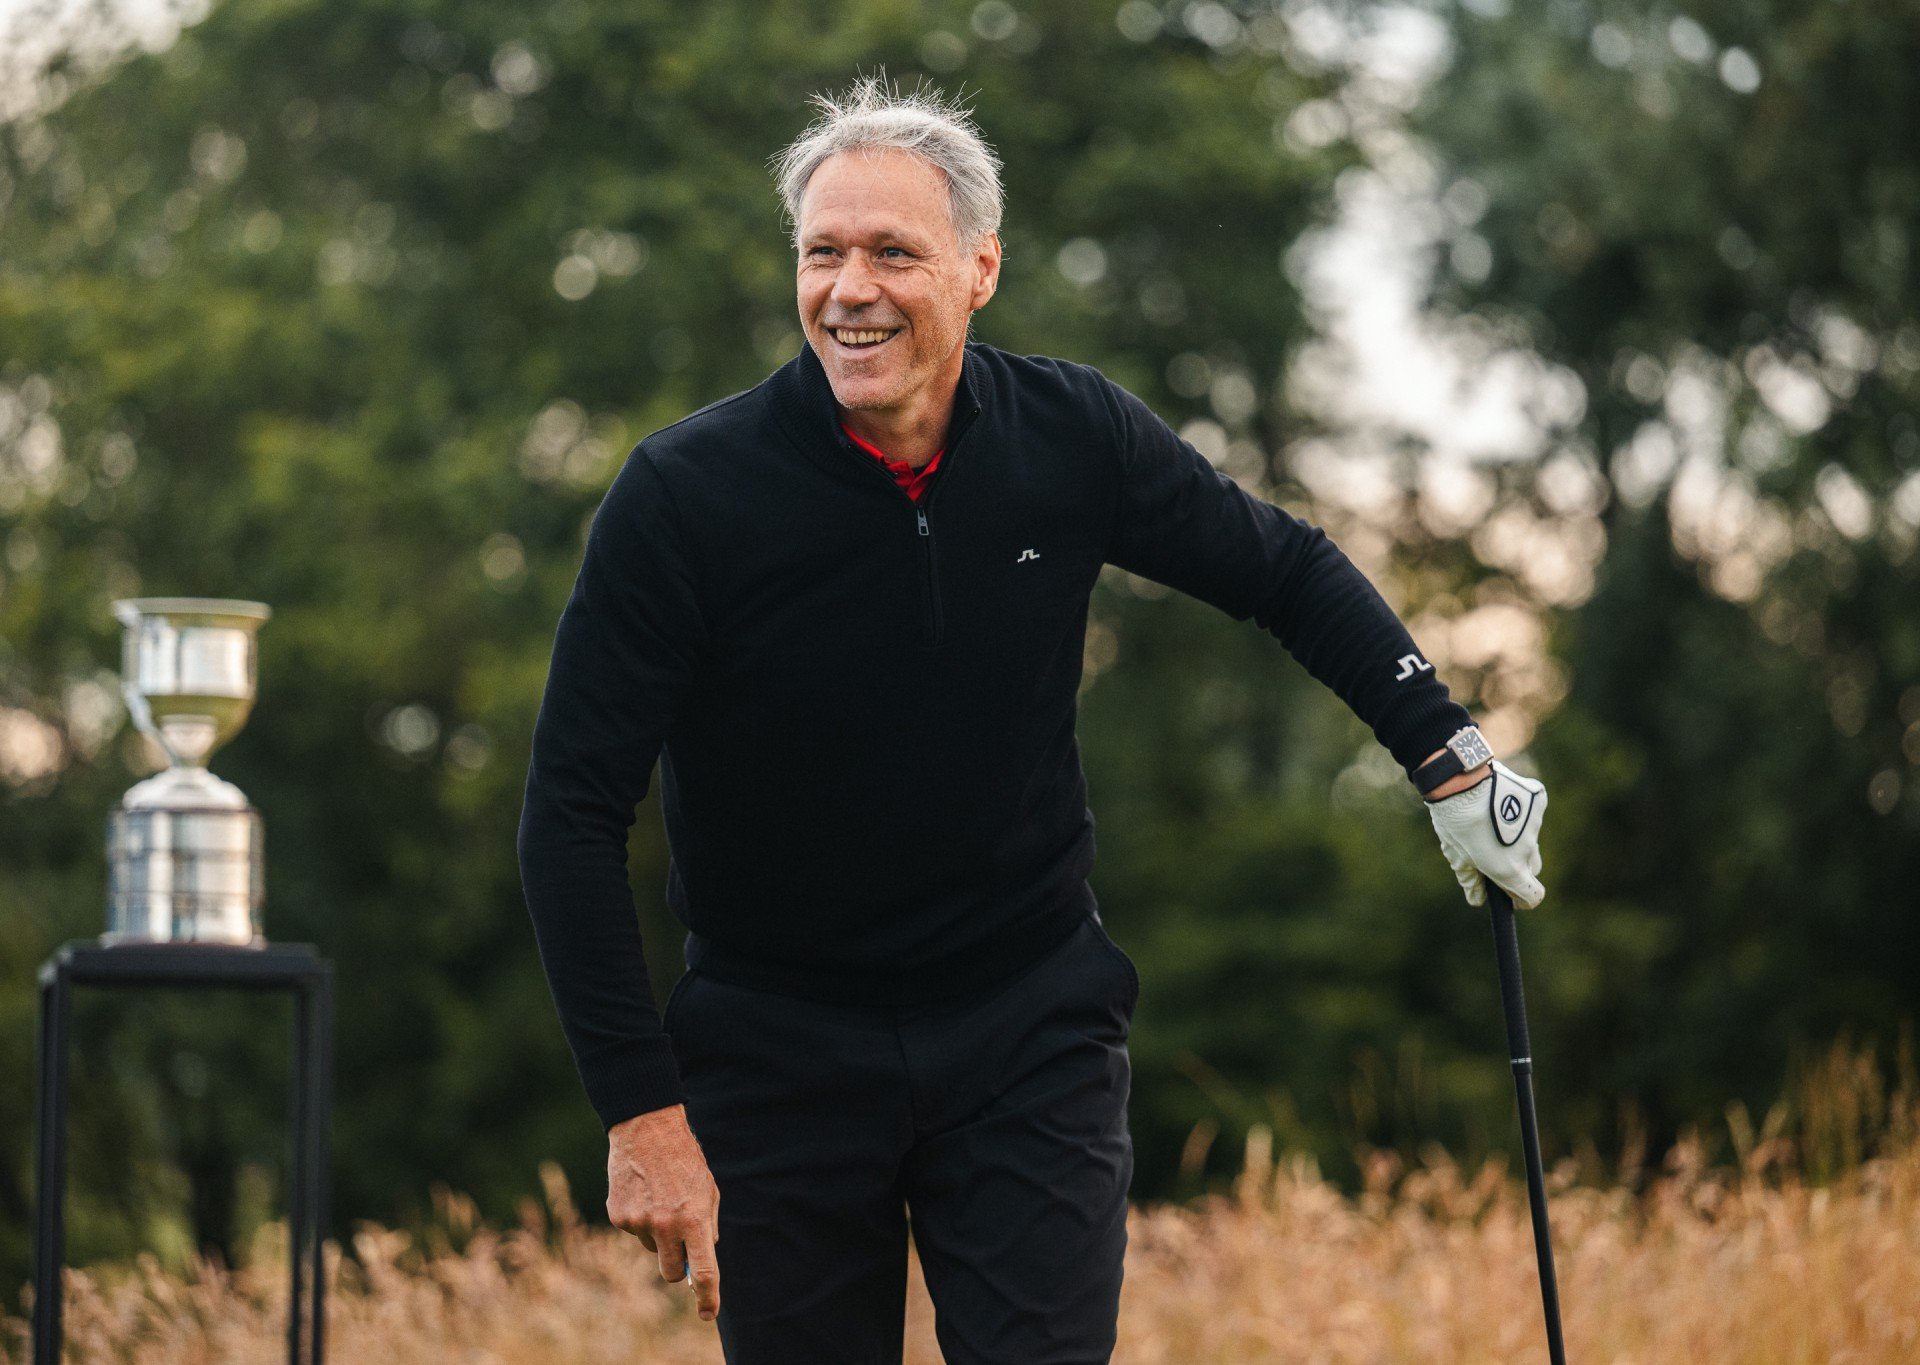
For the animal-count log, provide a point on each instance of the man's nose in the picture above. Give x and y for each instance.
(854, 282)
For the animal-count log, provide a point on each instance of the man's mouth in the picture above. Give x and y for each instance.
(861, 338)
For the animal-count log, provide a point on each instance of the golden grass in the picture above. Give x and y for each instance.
(1748, 1262)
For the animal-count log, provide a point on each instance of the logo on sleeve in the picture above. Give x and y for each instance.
(1411, 664)
(1025, 555)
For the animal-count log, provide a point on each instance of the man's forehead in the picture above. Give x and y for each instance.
(870, 193)
(865, 224)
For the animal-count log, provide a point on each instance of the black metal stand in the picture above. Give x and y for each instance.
(293, 967)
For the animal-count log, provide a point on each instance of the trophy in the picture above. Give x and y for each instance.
(184, 849)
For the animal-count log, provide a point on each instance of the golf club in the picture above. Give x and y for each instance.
(1520, 1048)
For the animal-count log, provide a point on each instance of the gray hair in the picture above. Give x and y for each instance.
(872, 116)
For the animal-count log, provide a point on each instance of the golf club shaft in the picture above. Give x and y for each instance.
(1520, 1048)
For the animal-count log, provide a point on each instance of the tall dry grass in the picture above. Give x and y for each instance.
(1801, 1247)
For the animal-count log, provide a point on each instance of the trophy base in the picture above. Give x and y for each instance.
(184, 875)
(130, 939)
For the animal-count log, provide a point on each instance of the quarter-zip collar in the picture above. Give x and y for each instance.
(804, 404)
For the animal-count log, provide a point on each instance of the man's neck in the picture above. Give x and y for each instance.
(912, 442)
(912, 435)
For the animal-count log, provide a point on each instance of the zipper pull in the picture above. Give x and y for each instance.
(922, 516)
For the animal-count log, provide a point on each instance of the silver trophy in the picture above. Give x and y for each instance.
(184, 849)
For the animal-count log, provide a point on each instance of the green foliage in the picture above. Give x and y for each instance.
(1712, 213)
(355, 310)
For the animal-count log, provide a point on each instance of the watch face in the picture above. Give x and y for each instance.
(1470, 748)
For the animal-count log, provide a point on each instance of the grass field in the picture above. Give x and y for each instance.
(1803, 1247)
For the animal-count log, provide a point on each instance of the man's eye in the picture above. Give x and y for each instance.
(894, 251)
(819, 251)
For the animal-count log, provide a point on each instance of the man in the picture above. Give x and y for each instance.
(846, 611)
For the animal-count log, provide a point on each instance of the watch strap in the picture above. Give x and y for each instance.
(1465, 750)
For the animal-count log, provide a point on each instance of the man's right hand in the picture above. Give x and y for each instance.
(660, 1190)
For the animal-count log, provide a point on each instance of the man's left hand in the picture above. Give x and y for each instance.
(1491, 830)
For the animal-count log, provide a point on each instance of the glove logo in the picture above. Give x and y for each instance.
(1512, 804)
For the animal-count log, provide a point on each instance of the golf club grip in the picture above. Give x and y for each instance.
(1513, 997)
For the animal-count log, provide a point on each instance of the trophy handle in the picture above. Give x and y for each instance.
(143, 721)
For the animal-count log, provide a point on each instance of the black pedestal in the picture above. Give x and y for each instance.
(293, 967)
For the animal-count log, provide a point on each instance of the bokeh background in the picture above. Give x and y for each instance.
(1587, 327)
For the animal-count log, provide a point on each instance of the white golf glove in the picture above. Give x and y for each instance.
(1492, 830)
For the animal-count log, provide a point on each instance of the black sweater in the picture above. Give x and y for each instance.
(863, 708)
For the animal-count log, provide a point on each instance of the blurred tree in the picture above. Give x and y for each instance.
(1707, 216)
(356, 311)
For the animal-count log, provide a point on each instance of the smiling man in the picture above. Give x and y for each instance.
(886, 288)
(846, 610)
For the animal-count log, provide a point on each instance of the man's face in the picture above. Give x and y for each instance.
(885, 286)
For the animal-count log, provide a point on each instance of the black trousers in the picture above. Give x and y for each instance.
(996, 1128)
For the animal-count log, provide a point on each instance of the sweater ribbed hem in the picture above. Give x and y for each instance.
(956, 976)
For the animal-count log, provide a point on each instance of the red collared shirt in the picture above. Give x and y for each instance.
(913, 480)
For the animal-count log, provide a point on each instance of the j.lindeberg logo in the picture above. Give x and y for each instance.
(1025, 555)
(1411, 664)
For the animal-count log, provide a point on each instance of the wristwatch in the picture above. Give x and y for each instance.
(1464, 752)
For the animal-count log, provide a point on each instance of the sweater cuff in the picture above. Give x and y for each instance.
(637, 1078)
(1427, 732)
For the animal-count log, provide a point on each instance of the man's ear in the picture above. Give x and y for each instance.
(986, 259)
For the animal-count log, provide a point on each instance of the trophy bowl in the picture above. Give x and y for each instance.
(184, 848)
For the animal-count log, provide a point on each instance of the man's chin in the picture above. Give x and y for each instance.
(858, 393)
